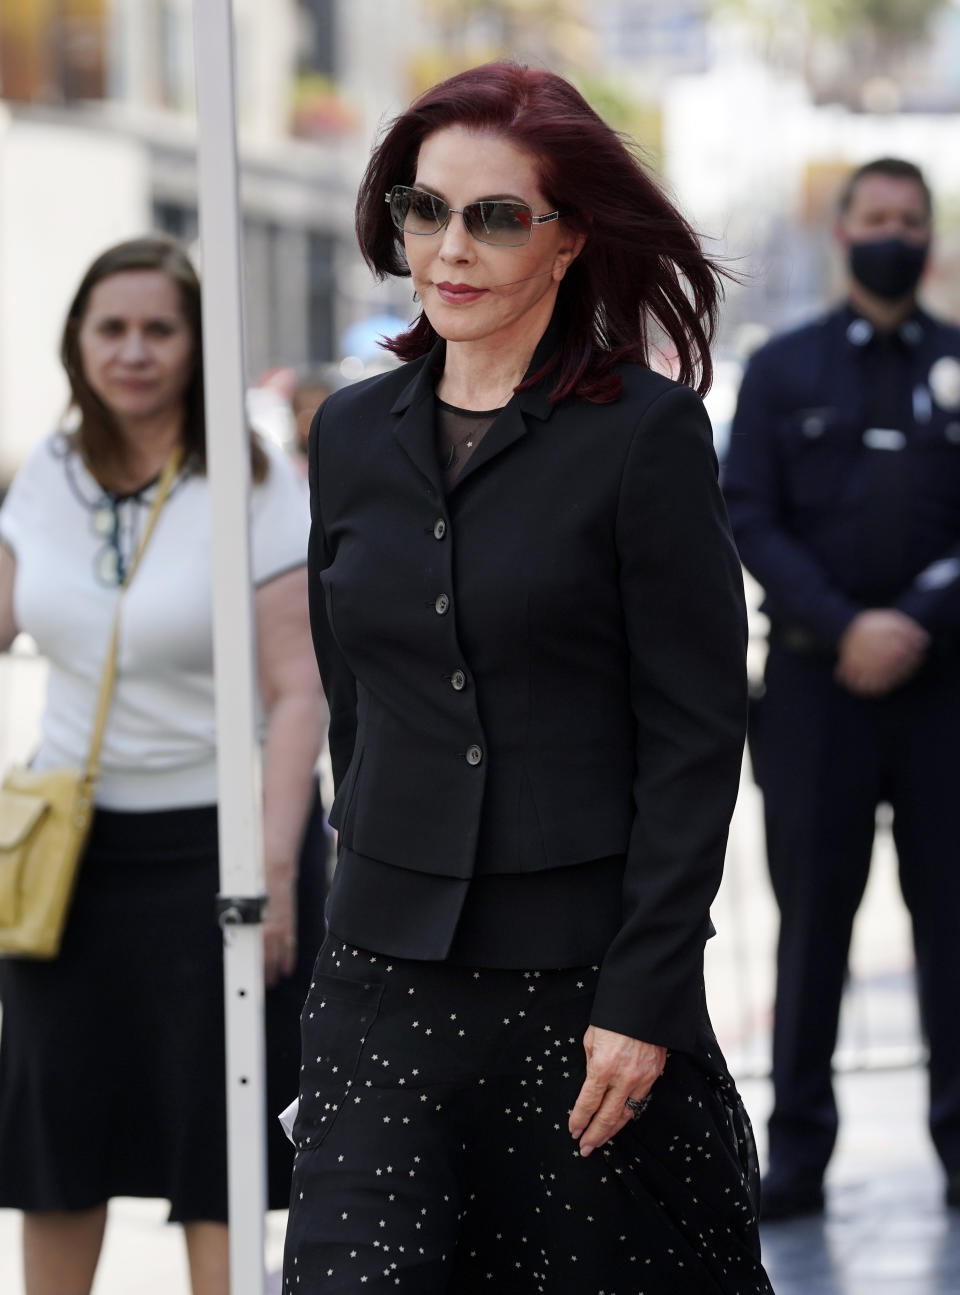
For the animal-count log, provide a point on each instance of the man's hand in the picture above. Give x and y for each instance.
(879, 651)
(618, 1067)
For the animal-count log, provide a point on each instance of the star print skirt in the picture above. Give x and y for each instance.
(433, 1156)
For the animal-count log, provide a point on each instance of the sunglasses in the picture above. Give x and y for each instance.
(501, 222)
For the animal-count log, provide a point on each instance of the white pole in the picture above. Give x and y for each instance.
(241, 861)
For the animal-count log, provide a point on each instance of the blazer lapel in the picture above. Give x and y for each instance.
(415, 427)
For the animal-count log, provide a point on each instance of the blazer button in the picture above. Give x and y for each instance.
(442, 605)
(439, 529)
(474, 755)
(458, 680)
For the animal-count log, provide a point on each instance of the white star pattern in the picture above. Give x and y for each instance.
(565, 1224)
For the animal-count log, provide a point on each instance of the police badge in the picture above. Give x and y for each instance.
(944, 381)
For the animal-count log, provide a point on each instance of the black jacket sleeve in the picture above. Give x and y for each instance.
(933, 600)
(682, 595)
(339, 684)
(796, 586)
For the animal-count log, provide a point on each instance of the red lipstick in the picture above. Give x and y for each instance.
(459, 294)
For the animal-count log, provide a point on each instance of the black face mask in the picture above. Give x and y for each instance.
(889, 268)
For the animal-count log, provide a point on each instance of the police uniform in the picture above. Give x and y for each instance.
(843, 487)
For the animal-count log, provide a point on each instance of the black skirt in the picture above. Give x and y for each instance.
(434, 1157)
(112, 1059)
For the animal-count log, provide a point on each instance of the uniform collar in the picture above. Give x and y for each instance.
(859, 332)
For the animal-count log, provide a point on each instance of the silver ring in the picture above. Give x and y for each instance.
(638, 1105)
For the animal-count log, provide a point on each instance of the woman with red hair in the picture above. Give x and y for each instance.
(528, 615)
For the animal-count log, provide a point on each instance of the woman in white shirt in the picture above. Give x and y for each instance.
(111, 1064)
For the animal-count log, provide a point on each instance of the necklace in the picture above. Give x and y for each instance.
(459, 430)
(458, 443)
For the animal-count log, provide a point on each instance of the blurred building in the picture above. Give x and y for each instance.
(751, 109)
(98, 142)
(756, 143)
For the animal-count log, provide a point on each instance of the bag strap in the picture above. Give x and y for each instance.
(167, 477)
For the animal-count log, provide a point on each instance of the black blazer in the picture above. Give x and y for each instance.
(543, 668)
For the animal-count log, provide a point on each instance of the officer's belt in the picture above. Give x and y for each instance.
(799, 639)
(944, 649)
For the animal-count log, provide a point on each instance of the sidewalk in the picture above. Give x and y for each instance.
(886, 1231)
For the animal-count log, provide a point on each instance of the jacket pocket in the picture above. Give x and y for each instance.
(334, 1025)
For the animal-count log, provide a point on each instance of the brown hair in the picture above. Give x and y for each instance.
(98, 436)
(641, 271)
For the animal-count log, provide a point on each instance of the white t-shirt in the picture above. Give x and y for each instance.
(159, 749)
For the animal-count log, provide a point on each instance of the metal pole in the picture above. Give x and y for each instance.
(241, 841)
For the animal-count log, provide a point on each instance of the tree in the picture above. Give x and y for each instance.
(904, 21)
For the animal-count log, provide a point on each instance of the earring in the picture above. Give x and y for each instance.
(416, 296)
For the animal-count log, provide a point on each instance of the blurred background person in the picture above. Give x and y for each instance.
(312, 386)
(843, 485)
(282, 403)
(112, 1067)
(268, 405)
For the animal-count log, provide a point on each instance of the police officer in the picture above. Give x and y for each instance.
(843, 486)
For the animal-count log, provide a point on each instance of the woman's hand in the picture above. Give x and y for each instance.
(618, 1067)
(280, 928)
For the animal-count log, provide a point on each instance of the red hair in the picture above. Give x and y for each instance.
(641, 270)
